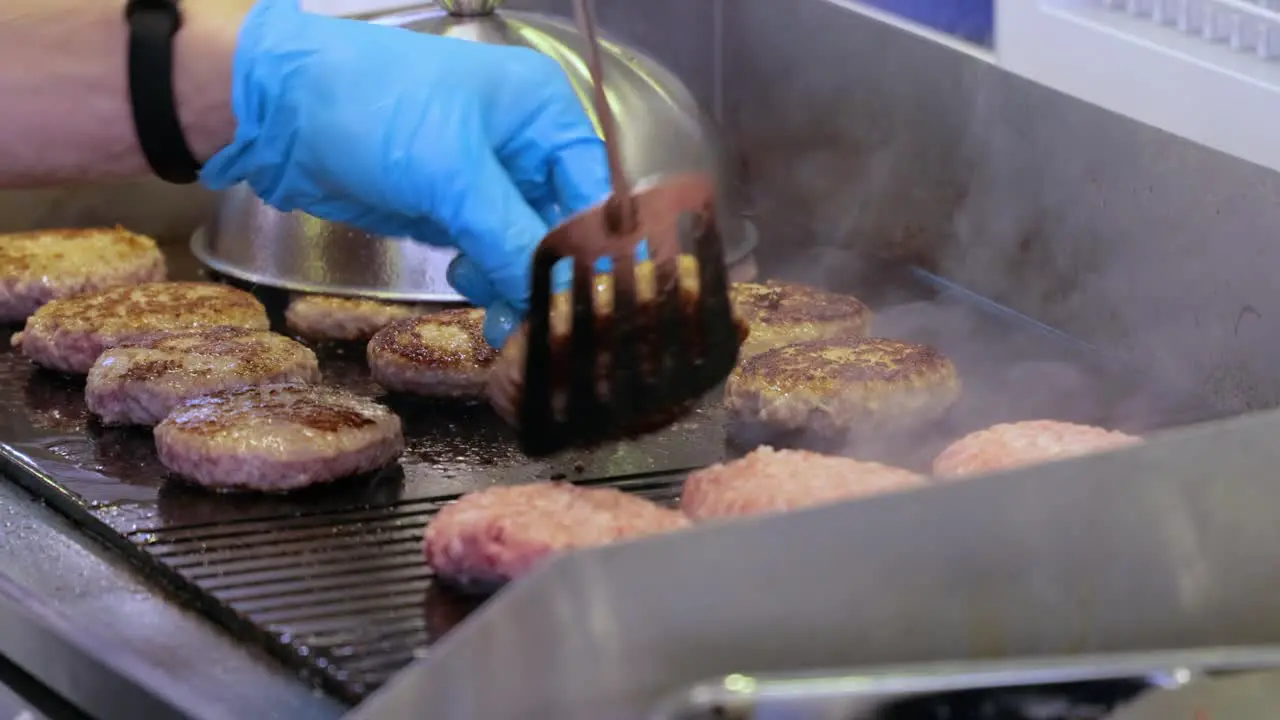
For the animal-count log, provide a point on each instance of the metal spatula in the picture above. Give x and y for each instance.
(629, 364)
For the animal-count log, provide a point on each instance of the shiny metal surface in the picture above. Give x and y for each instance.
(297, 252)
(663, 131)
(1129, 238)
(75, 616)
(1166, 545)
(859, 692)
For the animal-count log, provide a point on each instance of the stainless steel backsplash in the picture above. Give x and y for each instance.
(679, 33)
(858, 137)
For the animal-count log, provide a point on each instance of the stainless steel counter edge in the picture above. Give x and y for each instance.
(80, 620)
(1168, 544)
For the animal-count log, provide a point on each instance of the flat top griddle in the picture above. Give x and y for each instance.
(331, 580)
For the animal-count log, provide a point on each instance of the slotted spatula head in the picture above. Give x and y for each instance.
(643, 344)
(638, 351)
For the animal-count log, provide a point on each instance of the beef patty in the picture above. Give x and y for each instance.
(346, 319)
(501, 533)
(39, 266)
(770, 481)
(139, 381)
(70, 333)
(839, 388)
(1013, 445)
(785, 313)
(506, 380)
(279, 437)
(442, 355)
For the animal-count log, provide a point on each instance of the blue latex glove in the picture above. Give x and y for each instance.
(450, 142)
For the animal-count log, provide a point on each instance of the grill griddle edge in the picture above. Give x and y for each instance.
(331, 580)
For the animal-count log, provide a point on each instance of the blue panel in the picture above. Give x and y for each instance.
(970, 19)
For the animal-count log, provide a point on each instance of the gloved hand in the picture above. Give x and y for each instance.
(450, 142)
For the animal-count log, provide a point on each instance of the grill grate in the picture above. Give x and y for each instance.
(331, 581)
(342, 595)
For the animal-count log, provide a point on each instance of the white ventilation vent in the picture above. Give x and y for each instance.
(1208, 70)
(1248, 26)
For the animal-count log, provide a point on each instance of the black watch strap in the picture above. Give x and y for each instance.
(152, 26)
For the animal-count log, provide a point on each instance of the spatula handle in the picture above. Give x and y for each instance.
(620, 210)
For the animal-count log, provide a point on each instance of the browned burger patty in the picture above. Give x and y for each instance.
(39, 266)
(785, 313)
(501, 533)
(770, 481)
(1013, 445)
(138, 382)
(275, 438)
(346, 319)
(442, 355)
(68, 334)
(837, 388)
(506, 380)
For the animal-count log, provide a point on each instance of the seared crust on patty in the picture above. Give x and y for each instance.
(42, 265)
(277, 437)
(832, 388)
(1013, 445)
(498, 534)
(140, 381)
(443, 355)
(506, 381)
(346, 319)
(769, 481)
(69, 334)
(781, 313)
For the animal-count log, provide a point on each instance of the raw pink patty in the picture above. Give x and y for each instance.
(501, 533)
(768, 480)
(1013, 445)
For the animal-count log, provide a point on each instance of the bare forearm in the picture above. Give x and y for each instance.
(64, 95)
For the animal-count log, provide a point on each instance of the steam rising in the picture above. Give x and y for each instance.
(884, 150)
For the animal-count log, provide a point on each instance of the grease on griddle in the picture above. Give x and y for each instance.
(50, 400)
(181, 503)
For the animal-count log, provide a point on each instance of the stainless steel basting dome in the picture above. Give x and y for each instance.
(662, 128)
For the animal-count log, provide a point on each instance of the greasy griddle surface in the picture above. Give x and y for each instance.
(300, 574)
(1009, 371)
(451, 448)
